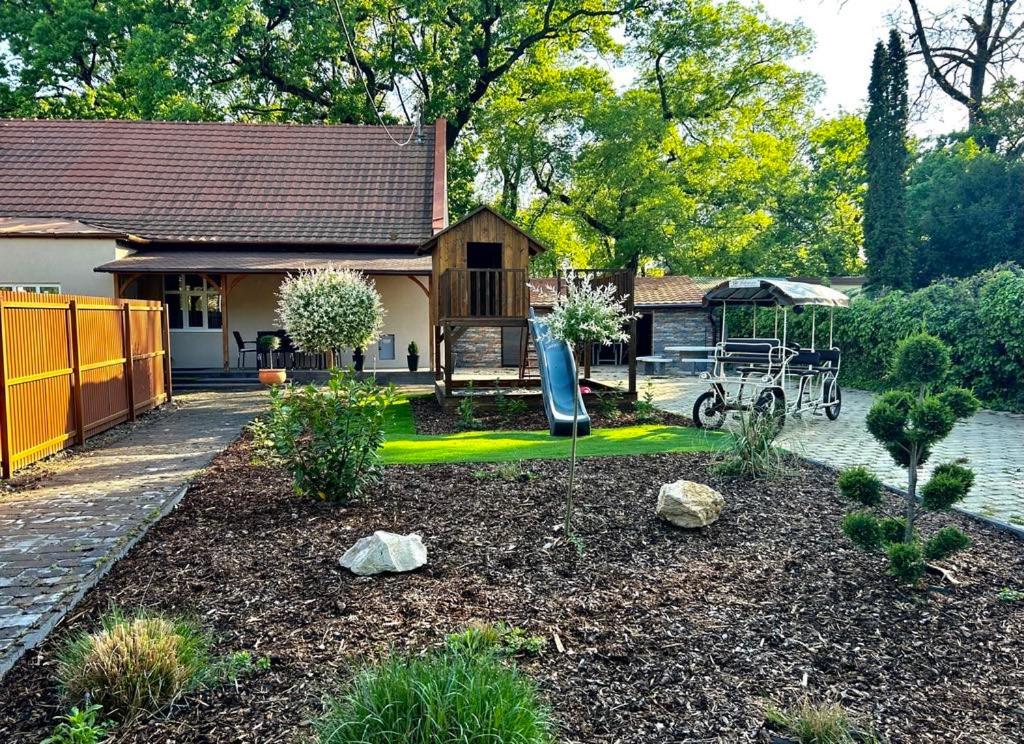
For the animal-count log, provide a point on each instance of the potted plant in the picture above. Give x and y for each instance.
(414, 356)
(358, 358)
(269, 375)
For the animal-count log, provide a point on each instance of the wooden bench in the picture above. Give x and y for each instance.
(654, 365)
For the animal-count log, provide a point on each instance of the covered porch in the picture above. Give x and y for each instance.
(221, 302)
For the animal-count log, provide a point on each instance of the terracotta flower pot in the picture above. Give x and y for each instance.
(273, 376)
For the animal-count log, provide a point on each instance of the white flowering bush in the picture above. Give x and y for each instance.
(588, 314)
(328, 309)
(585, 314)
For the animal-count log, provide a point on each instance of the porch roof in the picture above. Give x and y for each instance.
(264, 262)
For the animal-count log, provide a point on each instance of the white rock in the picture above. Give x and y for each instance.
(385, 551)
(689, 504)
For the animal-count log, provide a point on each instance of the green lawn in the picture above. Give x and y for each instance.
(405, 446)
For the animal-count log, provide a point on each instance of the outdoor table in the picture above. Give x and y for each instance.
(692, 355)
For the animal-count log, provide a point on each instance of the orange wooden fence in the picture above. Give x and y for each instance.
(72, 366)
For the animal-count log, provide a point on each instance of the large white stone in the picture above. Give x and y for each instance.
(385, 551)
(689, 504)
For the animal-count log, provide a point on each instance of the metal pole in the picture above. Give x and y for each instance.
(831, 317)
(814, 318)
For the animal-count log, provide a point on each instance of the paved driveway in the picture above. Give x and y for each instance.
(56, 541)
(992, 441)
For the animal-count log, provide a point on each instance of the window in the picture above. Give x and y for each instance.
(386, 347)
(192, 302)
(34, 288)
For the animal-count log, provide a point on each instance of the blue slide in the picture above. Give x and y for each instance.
(554, 360)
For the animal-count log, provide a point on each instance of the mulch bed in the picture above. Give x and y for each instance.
(431, 418)
(668, 635)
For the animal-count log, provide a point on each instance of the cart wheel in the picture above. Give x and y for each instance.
(833, 392)
(709, 411)
(772, 403)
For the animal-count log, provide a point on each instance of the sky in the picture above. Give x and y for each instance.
(846, 33)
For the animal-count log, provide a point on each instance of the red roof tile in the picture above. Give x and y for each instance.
(651, 291)
(220, 182)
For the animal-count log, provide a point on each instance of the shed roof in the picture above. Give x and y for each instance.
(339, 185)
(265, 262)
(651, 291)
(535, 246)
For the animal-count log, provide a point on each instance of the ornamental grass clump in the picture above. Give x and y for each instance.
(134, 664)
(446, 697)
(909, 422)
(585, 314)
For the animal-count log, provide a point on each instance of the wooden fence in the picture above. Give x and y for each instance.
(73, 366)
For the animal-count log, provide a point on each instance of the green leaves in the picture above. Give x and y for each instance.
(861, 485)
(949, 483)
(944, 543)
(920, 359)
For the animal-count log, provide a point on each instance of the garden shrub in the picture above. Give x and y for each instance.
(326, 309)
(490, 639)
(861, 485)
(909, 423)
(329, 437)
(863, 530)
(508, 409)
(466, 411)
(644, 407)
(609, 404)
(80, 726)
(447, 697)
(134, 664)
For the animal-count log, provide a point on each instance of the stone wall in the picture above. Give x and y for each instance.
(681, 327)
(478, 347)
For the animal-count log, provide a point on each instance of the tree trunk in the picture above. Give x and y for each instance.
(911, 505)
(567, 528)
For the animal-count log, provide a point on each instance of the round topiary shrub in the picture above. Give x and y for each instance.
(133, 664)
(861, 485)
(443, 698)
(329, 309)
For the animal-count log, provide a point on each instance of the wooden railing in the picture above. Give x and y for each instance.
(484, 293)
(73, 366)
(623, 280)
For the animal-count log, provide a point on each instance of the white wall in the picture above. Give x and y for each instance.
(252, 306)
(68, 262)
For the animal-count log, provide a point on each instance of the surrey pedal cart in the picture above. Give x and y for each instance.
(769, 375)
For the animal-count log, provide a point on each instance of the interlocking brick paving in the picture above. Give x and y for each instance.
(58, 539)
(990, 440)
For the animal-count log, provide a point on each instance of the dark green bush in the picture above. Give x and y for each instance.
(329, 437)
(893, 529)
(949, 483)
(863, 530)
(861, 485)
(905, 561)
(944, 543)
(921, 359)
(443, 698)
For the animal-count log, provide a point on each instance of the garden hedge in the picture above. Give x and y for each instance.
(980, 317)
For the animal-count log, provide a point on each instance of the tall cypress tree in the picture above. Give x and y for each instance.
(885, 210)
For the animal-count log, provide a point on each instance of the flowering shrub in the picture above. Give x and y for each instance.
(327, 309)
(585, 314)
(329, 437)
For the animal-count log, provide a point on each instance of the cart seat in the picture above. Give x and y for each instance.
(748, 351)
(804, 362)
(828, 359)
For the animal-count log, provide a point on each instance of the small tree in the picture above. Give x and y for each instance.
(909, 423)
(326, 309)
(585, 314)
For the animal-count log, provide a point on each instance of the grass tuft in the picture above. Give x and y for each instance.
(443, 698)
(822, 723)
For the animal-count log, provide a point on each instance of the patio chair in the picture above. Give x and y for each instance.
(244, 347)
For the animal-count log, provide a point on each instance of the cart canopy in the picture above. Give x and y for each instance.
(770, 292)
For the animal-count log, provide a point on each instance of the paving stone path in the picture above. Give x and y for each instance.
(57, 541)
(992, 441)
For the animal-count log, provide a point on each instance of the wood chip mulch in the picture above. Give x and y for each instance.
(666, 635)
(431, 418)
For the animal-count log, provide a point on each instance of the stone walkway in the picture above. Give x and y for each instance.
(993, 442)
(57, 541)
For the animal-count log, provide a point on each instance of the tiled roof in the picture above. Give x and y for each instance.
(651, 291)
(17, 227)
(220, 182)
(266, 262)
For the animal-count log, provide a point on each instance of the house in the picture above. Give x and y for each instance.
(210, 217)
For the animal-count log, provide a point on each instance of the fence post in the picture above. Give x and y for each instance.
(129, 363)
(166, 325)
(76, 367)
(5, 417)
